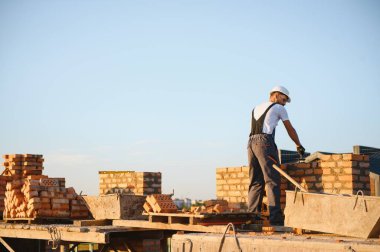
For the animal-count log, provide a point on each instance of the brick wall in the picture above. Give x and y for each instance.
(337, 173)
(232, 185)
(129, 182)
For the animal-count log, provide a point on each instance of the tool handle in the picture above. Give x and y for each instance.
(289, 178)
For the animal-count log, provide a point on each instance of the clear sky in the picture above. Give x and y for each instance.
(169, 85)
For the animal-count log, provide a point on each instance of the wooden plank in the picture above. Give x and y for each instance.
(5, 244)
(175, 214)
(167, 226)
(203, 215)
(153, 218)
(180, 220)
(92, 237)
(86, 223)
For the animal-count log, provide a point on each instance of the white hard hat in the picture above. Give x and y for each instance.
(282, 90)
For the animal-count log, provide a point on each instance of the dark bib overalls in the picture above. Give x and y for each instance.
(261, 172)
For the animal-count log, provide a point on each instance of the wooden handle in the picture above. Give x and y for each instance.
(289, 178)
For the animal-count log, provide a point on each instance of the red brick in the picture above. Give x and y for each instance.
(234, 181)
(234, 193)
(345, 191)
(347, 156)
(328, 164)
(351, 171)
(326, 171)
(347, 163)
(327, 185)
(300, 172)
(234, 169)
(328, 178)
(245, 169)
(358, 185)
(318, 171)
(292, 172)
(245, 181)
(325, 157)
(345, 178)
(221, 170)
(241, 175)
(337, 171)
(233, 175)
(337, 184)
(310, 179)
(221, 182)
(303, 165)
(363, 164)
(337, 157)
(353, 157)
(315, 164)
(364, 179)
(309, 171)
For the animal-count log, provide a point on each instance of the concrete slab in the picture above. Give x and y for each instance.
(349, 215)
(260, 242)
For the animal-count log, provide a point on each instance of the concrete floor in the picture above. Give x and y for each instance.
(258, 242)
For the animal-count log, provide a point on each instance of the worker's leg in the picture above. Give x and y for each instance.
(256, 185)
(265, 147)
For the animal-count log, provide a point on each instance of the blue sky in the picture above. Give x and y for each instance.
(169, 85)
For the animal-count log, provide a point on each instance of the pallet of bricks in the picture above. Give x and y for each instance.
(31, 195)
(159, 203)
(162, 203)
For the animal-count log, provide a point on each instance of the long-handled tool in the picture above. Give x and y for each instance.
(289, 178)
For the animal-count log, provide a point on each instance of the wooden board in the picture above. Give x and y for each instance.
(167, 226)
(86, 223)
(38, 220)
(93, 237)
(69, 233)
(201, 219)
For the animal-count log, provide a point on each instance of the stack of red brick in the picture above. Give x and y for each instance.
(159, 203)
(3, 182)
(30, 194)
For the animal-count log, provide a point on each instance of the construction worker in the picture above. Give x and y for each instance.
(262, 153)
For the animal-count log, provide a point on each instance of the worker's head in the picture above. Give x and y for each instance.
(279, 94)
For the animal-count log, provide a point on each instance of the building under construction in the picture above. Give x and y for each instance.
(331, 202)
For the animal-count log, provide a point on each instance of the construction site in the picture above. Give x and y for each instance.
(330, 202)
(189, 126)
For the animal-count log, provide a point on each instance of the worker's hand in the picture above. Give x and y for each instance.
(301, 150)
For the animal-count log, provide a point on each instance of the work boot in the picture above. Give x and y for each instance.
(277, 223)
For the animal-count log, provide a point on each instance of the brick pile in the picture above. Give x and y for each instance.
(160, 203)
(212, 206)
(336, 173)
(30, 194)
(3, 182)
(129, 182)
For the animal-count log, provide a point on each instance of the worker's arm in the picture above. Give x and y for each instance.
(292, 132)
